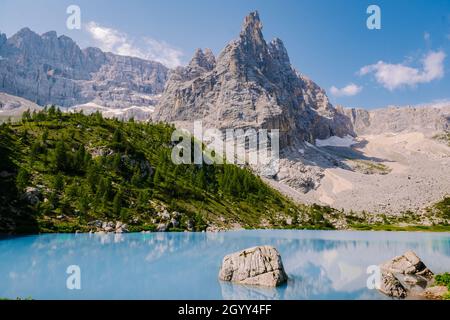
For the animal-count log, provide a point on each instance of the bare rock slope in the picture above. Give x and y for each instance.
(425, 118)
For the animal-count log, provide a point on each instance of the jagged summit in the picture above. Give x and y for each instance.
(251, 84)
(203, 59)
(252, 29)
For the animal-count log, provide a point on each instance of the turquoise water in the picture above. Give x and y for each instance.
(320, 264)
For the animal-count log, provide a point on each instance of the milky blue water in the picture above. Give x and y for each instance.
(320, 264)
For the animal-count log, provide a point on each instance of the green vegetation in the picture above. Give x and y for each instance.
(60, 172)
(442, 280)
(64, 172)
(437, 217)
(442, 209)
(370, 167)
(443, 137)
(392, 227)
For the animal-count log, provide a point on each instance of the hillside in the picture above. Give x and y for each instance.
(65, 172)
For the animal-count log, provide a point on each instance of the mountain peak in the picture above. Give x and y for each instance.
(49, 34)
(251, 85)
(24, 32)
(278, 52)
(252, 28)
(203, 59)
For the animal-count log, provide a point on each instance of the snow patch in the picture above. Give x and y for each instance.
(335, 141)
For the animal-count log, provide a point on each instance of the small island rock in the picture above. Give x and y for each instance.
(254, 266)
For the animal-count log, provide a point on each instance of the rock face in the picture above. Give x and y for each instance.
(405, 275)
(250, 84)
(426, 119)
(108, 226)
(51, 69)
(407, 264)
(254, 266)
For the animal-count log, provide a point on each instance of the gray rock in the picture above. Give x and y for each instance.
(254, 266)
(407, 264)
(51, 69)
(174, 222)
(427, 118)
(164, 215)
(391, 286)
(32, 195)
(162, 227)
(190, 225)
(108, 229)
(405, 275)
(118, 224)
(250, 84)
(96, 223)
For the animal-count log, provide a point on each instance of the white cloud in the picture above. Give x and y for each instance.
(349, 90)
(115, 41)
(393, 76)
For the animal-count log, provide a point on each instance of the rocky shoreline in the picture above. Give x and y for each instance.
(402, 277)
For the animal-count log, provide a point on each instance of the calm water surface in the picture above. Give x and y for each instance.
(320, 264)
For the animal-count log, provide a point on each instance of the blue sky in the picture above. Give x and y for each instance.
(406, 62)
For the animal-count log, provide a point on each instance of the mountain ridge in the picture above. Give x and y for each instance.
(51, 69)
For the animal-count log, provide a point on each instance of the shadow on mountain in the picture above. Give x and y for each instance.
(327, 157)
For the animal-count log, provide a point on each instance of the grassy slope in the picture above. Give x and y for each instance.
(410, 222)
(59, 154)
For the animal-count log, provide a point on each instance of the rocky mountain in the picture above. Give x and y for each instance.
(250, 84)
(379, 157)
(430, 118)
(52, 69)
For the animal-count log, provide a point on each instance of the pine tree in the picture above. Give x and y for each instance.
(58, 113)
(83, 203)
(157, 178)
(136, 178)
(117, 162)
(52, 111)
(35, 150)
(26, 116)
(60, 156)
(92, 176)
(143, 198)
(45, 136)
(117, 203)
(58, 182)
(80, 159)
(117, 136)
(22, 179)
